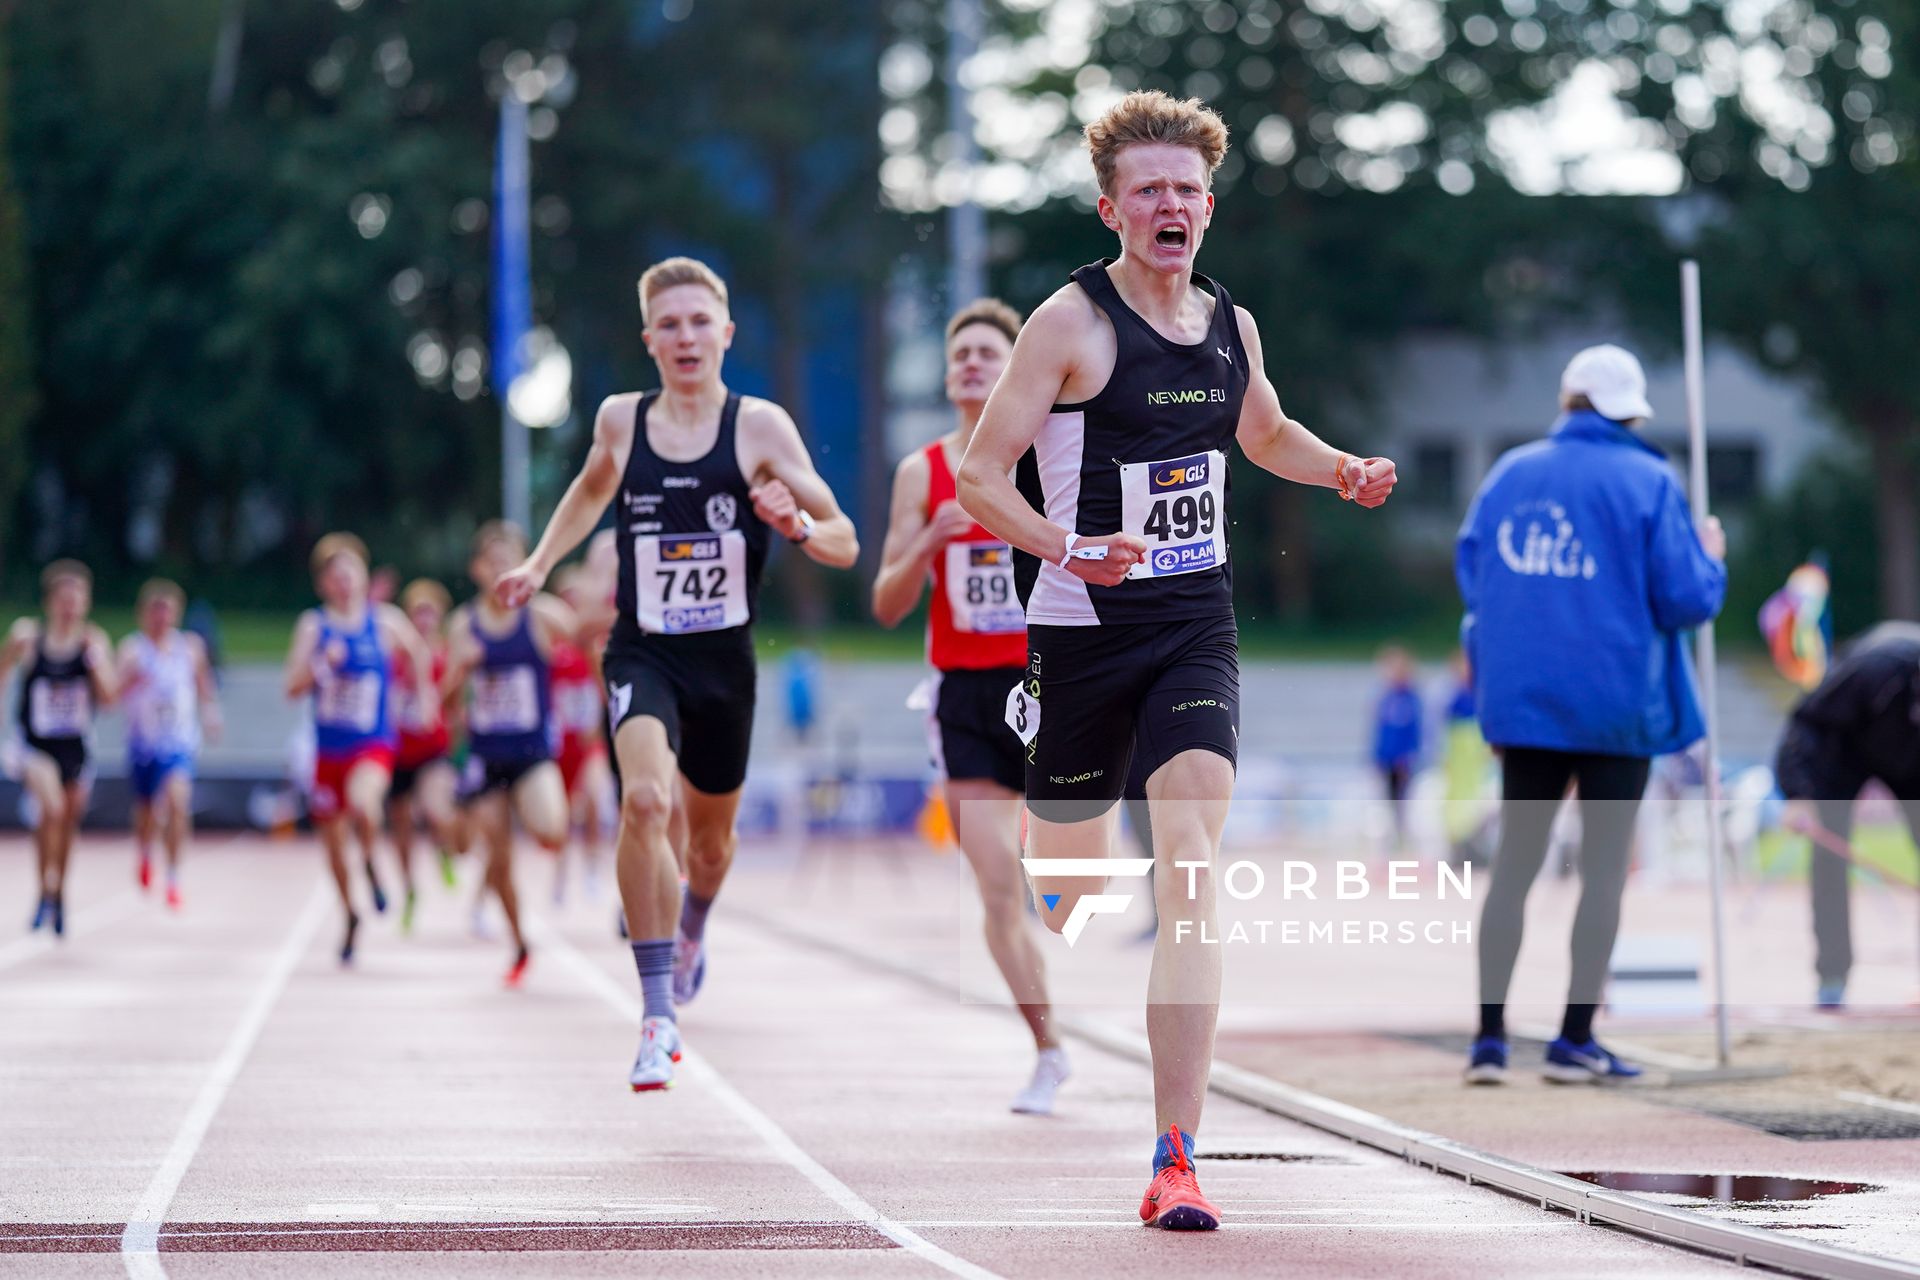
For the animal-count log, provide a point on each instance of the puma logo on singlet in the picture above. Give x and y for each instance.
(1225, 354)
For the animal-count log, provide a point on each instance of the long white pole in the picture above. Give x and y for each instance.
(1708, 661)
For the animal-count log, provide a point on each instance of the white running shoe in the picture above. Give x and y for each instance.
(689, 967)
(659, 1050)
(1049, 1073)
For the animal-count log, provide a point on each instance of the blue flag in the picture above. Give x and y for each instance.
(512, 289)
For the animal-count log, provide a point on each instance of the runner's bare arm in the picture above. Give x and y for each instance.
(306, 637)
(403, 635)
(20, 640)
(553, 619)
(908, 550)
(463, 654)
(785, 484)
(582, 504)
(1044, 357)
(205, 689)
(101, 670)
(1273, 441)
(126, 664)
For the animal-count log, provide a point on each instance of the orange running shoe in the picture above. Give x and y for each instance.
(518, 973)
(1173, 1199)
(146, 873)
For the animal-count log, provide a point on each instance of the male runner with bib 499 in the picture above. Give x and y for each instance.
(701, 476)
(1124, 394)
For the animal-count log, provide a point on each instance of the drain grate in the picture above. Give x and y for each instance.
(1828, 1124)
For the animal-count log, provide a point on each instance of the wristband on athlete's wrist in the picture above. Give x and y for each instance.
(1067, 555)
(806, 529)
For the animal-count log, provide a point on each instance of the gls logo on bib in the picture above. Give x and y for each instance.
(1181, 473)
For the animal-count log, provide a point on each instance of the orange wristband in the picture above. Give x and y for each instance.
(1340, 477)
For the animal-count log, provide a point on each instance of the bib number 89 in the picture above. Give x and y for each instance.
(983, 589)
(1181, 518)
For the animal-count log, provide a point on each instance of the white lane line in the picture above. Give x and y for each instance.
(140, 1242)
(89, 921)
(618, 997)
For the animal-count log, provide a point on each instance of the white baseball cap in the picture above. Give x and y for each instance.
(1611, 379)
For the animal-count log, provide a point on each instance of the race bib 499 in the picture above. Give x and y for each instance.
(1178, 505)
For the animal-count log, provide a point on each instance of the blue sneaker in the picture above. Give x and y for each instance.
(1569, 1063)
(1831, 998)
(41, 914)
(59, 916)
(1488, 1064)
(689, 967)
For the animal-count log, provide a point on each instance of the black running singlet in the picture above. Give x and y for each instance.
(691, 548)
(56, 696)
(1148, 456)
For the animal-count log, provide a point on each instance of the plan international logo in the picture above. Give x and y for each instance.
(1090, 904)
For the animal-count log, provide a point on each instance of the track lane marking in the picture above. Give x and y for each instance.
(616, 996)
(140, 1241)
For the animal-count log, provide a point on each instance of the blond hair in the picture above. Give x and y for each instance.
(427, 591)
(336, 544)
(63, 571)
(1148, 115)
(988, 311)
(669, 272)
(161, 589)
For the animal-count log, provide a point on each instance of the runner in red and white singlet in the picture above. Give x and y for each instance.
(977, 644)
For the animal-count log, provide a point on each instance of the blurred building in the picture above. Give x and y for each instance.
(1450, 404)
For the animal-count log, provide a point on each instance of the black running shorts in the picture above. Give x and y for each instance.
(975, 742)
(701, 688)
(1107, 693)
(69, 755)
(483, 777)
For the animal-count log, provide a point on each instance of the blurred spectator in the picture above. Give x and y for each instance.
(1396, 734)
(1466, 764)
(199, 620)
(1861, 723)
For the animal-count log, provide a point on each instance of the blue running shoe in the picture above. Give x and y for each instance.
(41, 914)
(379, 894)
(1831, 998)
(1569, 1063)
(689, 967)
(59, 916)
(1488, 1065)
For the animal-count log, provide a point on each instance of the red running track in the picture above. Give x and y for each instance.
(218, 1076)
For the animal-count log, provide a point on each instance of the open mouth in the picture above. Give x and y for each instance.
(686, 364)
(1171, 237)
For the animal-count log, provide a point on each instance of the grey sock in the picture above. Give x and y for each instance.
(693, 915)
(655, 962)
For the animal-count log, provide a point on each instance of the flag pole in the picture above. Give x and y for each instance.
(1705, 653)
(512, 301)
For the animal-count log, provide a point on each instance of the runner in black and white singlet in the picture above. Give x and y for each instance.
(1125, 393)
(699, 479)
(68, 674)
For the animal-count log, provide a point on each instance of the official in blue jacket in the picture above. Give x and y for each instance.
(1580, 568)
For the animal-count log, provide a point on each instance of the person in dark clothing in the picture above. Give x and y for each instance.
(1397, 735)
(1862, 722)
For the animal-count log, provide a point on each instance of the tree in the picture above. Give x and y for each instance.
(16, 381)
